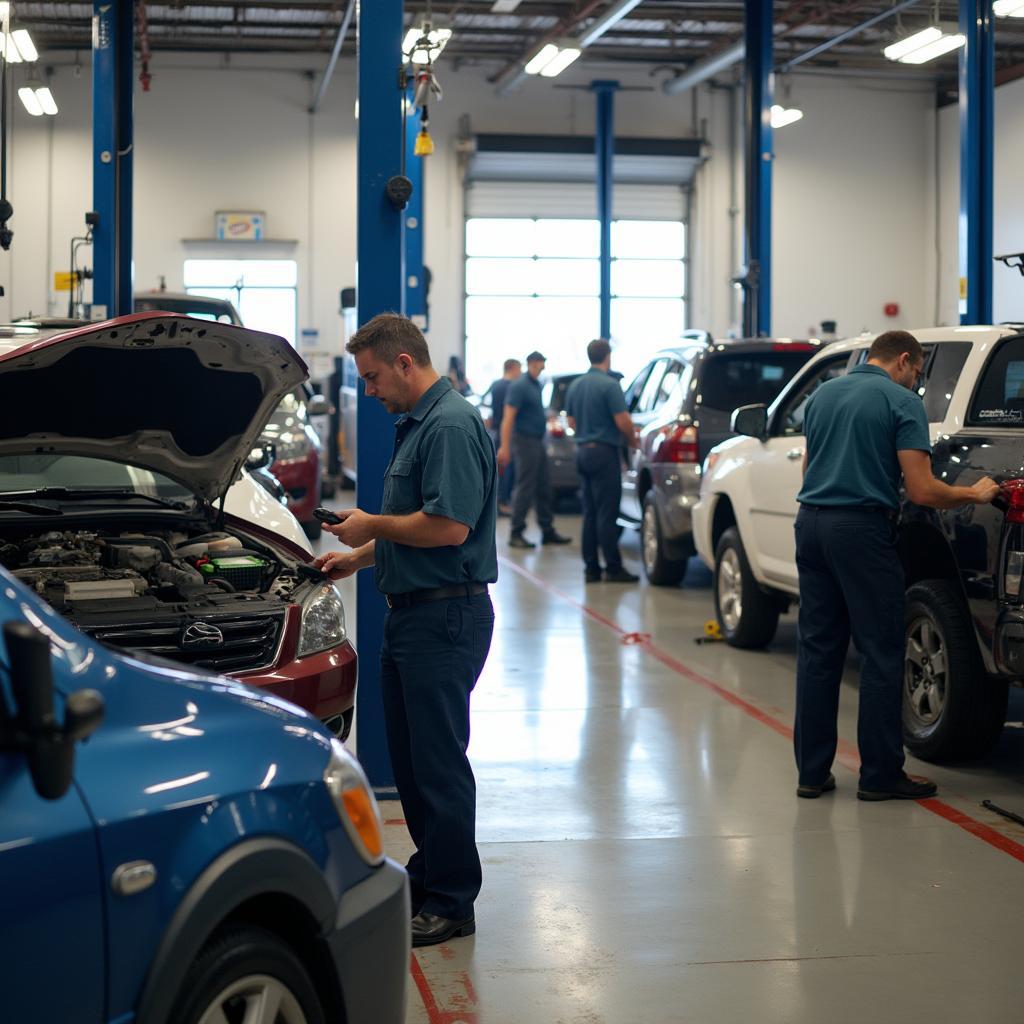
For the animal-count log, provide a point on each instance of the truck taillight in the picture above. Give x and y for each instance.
(1012, 493)
(556, 428)
(1013, 573)
(676, 443)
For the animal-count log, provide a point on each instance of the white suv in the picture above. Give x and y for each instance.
(743, 523)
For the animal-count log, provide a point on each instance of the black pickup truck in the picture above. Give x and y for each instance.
(965, 600)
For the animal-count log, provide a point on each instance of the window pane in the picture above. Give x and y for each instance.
(747, 378)
(272, 310)
(568, 277)
(647, 277)
(488, 236)
(648, 239)
(641, 327)
(503, 323)
(226, 273)
(999, 400)
(500, 277)
(943, 374)
(569, 238)
(228, 294)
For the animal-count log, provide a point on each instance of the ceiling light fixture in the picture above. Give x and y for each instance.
(1008, 8)
(781, 116)
(924, 46)
(29, 101)
(505, 6)
(46, 100)
(23, 41)
(552, 59)
(423, 44)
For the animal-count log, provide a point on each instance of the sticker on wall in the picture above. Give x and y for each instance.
(239, 225)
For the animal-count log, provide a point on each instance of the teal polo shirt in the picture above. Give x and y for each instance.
(854, 426)
(594, 400)
(524, 395)
(443, 463)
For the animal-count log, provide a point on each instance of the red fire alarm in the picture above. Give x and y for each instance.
(892, 309)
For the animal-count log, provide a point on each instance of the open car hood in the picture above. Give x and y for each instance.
(183, 397)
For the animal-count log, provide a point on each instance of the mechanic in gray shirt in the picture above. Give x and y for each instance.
(433, 552)
(600, 422)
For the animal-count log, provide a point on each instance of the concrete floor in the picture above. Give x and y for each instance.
(647, 862)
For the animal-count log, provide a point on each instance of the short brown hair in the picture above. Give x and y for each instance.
(598, 351)
(388, 335)
(512, 364)
(888, 347)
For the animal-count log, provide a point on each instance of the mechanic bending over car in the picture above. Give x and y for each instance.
(863, 431)
(433, 552)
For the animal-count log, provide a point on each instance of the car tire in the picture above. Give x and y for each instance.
(313, 529)
(952, 709)
(659, 568)
(240, 966)
(746, 614)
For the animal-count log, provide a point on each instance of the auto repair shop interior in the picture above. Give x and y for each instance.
(200, 205)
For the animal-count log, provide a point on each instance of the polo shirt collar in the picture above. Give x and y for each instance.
(597, 369)
(429, 399)
(869, 368)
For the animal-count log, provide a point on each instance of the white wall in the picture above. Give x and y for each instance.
(853, 200)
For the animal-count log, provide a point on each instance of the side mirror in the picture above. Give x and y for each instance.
(750, 421)
(318, 405)
(50, 746)
(262, 457)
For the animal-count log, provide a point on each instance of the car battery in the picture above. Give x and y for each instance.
(243, 572)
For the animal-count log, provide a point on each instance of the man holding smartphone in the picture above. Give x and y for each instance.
(433, 551)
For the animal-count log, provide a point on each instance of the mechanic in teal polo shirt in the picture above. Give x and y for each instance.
(601, 424)
(433, 552)
(863, 432)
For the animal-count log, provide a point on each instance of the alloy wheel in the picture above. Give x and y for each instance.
(925, 673)
(730, 589)
(256, 999)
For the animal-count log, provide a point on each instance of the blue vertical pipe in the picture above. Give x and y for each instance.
(604, 149)
(977, 102)
(757, 305)
(112, 140)
(379, 289)
(415, 291)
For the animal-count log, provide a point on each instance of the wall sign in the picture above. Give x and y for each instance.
(239, 225)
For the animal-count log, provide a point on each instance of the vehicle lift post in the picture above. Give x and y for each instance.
(604, 146)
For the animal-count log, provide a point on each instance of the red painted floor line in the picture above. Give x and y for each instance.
(847, 754)
(465, 1011)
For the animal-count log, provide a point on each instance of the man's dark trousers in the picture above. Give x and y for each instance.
(433, 654)
(601, 480)
(507, 480)
(533, 483)
(851, 581)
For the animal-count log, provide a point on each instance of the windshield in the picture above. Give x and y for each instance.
(999, 400)
(82, 474)
(730, 380)
(201, 309)
(555, 391)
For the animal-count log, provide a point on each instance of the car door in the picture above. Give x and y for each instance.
(51, 912)
(643, 411)
(776, 473)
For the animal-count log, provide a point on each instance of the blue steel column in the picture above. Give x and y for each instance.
(604, 145)
(112, 140)
(415, 167)
(757, 304)
(977, 100)
(378, 290)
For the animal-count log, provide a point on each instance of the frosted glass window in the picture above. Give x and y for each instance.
(647, 277)
(272, 310)
(500, 277)
(248, 273)
(648, 239)
(568, 277)
(501, 237)
(579, 238)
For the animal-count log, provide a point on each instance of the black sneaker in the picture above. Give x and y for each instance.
(517, 540)
(552, 536)
(813, 792)
(620, 576)
(592, 576)
(906, 789)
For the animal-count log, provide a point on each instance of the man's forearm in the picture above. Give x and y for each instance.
(420, 530)
(941, 495)
(506, 427)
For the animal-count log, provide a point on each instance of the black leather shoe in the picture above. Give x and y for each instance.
(620, 576)
(592, 576)
(429, 929)
(554, 537)
(813, 792)
(906, 789)
(517, 540)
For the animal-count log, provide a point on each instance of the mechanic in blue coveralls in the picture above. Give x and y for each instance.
(433, 552)
(864, 431)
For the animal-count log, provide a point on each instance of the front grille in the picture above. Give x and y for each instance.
(248, 643)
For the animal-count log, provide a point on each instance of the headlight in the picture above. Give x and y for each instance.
(355, 804)
(323, 621)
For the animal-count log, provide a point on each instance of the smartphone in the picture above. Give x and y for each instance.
(325, 515)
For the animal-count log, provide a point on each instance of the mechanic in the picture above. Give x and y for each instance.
(863, 431)
(512, 370)
(522, 438)
(597, 414)
(433, 552)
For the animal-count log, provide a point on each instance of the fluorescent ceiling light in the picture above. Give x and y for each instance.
(505, 6)
(23, 41)
(565, 57)
(897, 51)
(5, 10)
(926, 53)
(1008, 8)
(541, 60)
(46, 100)
(29, 101)
(9, 50)
(781, 116)
(423, 44)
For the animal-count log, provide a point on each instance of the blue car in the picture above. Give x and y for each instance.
(177, 847)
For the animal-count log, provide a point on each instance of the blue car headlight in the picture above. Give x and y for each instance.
(323, 620)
